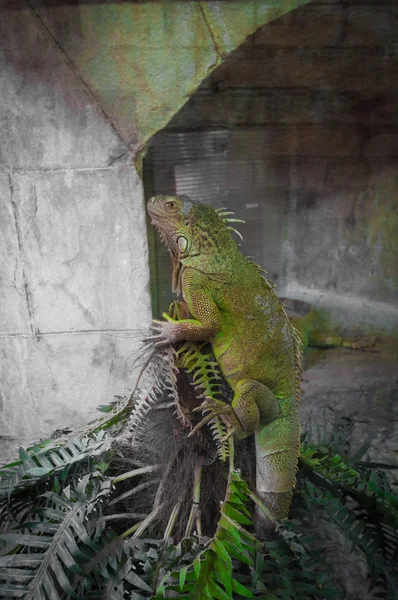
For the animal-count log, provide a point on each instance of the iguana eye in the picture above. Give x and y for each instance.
(171, 204)
(182, 244)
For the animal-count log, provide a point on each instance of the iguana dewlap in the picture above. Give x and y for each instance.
(237, 311)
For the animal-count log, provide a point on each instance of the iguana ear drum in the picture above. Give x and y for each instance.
(182, 244)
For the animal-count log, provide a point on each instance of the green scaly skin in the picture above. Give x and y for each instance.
(235, 309)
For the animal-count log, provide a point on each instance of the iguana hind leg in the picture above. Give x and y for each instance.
(255, 409)
(253, 403)
(275, 424)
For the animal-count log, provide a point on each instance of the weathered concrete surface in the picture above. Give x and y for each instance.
(48, 118)
(14, 315)
(75, 288)
(359, 385)
(358, 266)
(84, 262)
(143, 60)
(73, 270)
(57, 381)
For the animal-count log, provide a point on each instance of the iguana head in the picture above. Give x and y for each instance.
(189, 229)
(171, 217)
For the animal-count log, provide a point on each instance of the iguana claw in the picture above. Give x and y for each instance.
(162, 332)
(217, 408)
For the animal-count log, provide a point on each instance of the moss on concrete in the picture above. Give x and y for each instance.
(143, 60)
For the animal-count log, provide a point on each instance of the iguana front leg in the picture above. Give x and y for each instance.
(206, 322)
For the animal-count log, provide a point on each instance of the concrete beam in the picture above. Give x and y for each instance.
(142, 61)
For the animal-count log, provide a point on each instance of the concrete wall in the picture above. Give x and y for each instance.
(297, 132)
(73, 274)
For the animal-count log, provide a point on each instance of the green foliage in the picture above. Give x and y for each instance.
(58, 500)
(51, 553)
(211, 574)
(357, 497)
(203, 368)
(48, 458)
(235, 564)
(64, 549)
(41, 465)
(198, 361)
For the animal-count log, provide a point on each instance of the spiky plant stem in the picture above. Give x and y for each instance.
(196, 500)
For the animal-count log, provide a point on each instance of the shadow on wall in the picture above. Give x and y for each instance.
(297, 132)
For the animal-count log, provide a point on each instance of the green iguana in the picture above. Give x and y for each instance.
(237, 310)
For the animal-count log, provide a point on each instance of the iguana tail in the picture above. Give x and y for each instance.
(277, 445)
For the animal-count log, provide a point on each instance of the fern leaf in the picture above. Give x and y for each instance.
(206, 380)
(121, 576)
(40, 462)
(370, 521)
(164, 373)
(51, 575)
(51, 554)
